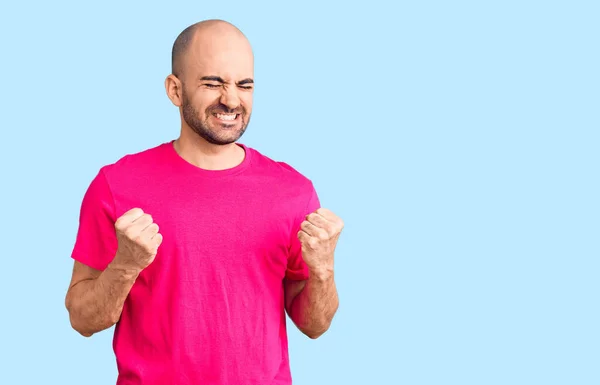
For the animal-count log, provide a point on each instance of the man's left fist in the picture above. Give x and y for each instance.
(319, 234)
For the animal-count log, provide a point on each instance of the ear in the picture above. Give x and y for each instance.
(173, 86)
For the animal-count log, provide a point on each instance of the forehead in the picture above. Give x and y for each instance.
(231, 59)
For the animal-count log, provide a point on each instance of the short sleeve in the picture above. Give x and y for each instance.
(297, 269)
(96, 242)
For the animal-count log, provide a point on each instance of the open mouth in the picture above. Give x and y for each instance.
(226, 117)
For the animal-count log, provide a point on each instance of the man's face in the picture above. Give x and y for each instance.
(217, 91)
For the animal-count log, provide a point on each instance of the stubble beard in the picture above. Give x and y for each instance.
(203, 128)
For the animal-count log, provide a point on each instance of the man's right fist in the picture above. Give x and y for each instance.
(138, 239)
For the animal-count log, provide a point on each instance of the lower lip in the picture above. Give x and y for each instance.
(237, 117)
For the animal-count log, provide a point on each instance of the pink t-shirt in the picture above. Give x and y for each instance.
(210, 308)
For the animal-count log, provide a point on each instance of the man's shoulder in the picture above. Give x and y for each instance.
(281, 170)
(134, 167)
(134, 161)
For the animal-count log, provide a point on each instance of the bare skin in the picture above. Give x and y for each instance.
(219, 71)
(312, 304)
(214, 95)
(95, 298)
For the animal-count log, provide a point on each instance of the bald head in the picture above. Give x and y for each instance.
(212, 81)
(203, 36)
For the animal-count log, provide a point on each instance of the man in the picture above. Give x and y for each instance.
(197, 247)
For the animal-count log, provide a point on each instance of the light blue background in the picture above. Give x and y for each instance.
(458, 141)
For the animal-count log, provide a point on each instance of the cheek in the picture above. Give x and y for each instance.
(247, 102)
(204, 101)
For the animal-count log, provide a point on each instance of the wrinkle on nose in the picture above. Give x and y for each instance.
(230, 98)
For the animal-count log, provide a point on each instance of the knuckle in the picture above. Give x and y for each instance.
(129, 233)
(120, 224)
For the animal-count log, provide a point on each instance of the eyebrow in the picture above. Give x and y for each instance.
(220, 80)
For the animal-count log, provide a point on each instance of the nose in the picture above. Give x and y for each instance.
(230, 98)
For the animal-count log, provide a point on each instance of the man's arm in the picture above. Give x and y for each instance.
(311, 304)
(95, 298)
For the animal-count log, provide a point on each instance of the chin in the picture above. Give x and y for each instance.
(230, 137)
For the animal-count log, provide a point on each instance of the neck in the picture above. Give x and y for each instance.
(208, 156)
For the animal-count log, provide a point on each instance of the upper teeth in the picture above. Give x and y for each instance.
(226, 116)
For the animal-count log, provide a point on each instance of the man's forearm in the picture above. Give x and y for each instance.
(314, 307)
(96, 304)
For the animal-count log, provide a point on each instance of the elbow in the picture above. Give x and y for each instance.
(78, 327)
(321, 327)
(317, 329)
(314, 336)
(315, 333)
(69, 305)
(85, 328)
(84, 333)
